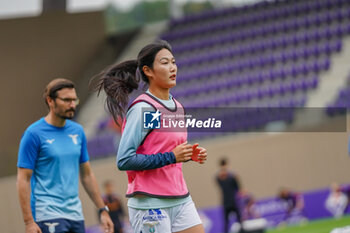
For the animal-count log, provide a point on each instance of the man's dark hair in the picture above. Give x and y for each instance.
(54, 86)
(223, 162)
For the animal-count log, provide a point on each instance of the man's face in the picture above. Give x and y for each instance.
(109, 188)
(65, 103)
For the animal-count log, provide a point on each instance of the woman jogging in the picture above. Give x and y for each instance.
(159, 200)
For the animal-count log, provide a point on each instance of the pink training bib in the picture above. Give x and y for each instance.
(167, 181)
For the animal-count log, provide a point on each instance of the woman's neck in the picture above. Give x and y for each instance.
(162, 94)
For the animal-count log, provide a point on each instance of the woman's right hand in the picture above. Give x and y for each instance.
(183, 152)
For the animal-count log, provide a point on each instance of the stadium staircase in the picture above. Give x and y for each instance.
(332, 81)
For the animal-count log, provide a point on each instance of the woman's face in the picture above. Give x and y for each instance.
(163, 74)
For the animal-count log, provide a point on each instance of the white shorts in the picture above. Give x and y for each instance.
(167, 220)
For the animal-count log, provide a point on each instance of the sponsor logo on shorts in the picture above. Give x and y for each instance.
(152, 219)
(154, 215)
(51, 226)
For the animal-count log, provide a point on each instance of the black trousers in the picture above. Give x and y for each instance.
(227, 211)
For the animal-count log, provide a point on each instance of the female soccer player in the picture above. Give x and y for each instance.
(159, 200)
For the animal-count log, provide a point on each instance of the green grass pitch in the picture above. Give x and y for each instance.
(319, 226)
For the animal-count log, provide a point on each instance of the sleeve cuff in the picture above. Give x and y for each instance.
(173, 158)
(25, 165)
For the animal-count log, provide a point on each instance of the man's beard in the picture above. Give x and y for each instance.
(67, 117)
(64, 116)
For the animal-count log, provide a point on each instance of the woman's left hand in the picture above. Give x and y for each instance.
(202, 156)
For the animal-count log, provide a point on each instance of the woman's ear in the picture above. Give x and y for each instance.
(147, 71)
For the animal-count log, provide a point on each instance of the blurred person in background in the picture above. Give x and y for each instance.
(159, 200)
(346, 190)
(295, 204)
(337, 201)
(115, 206)
(52, 154)
(249, 210)
(230, 186)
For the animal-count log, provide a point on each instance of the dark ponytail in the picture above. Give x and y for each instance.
(119, 80)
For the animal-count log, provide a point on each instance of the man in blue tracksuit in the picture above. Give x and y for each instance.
(52, 154)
